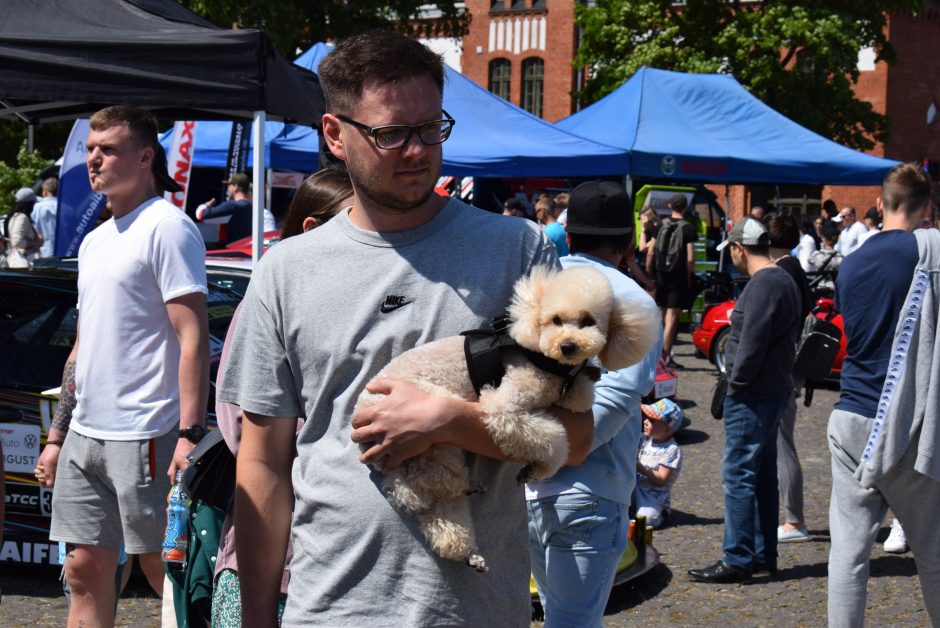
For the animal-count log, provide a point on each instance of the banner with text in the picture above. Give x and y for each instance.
(79, 207)
(179, 161)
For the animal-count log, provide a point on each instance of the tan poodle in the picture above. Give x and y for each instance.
(570, 317)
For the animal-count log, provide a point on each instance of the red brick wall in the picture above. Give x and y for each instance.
(558, 79)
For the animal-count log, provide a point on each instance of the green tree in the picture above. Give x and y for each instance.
(23, 175)
(798, 57)
(298, 24)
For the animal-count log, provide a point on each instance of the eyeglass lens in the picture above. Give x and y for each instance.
(434, 132)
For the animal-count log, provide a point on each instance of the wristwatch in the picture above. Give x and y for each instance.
(193, 434)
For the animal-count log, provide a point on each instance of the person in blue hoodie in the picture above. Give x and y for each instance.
(578, 518)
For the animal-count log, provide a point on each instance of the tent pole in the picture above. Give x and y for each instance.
(257, 181)
(29, 138)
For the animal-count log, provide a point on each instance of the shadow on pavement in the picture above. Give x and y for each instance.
(688, 436)
(677, 518)
(886, 566)
(639, 590)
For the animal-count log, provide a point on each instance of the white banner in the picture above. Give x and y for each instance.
(20, 446)
(180, 160)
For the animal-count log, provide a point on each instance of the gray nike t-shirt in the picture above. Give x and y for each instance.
(325, 311)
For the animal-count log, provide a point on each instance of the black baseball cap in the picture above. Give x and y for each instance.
(158, 167)
(599, 208)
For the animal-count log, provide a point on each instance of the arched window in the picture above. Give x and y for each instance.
(533, 70)
(500, 70)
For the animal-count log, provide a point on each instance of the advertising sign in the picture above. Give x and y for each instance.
(20, 447)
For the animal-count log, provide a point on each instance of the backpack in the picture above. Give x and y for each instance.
(816, 349)
(668, 246)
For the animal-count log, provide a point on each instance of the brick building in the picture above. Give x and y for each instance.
(522, 50)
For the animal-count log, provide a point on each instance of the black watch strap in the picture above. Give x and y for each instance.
(193, 434)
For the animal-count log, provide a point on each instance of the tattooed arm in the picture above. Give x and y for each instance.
(49, 459)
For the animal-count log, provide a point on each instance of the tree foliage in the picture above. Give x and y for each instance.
(298, 24)
(798, 57)
(23, 175)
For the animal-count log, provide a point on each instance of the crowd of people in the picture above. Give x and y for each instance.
(373, 263)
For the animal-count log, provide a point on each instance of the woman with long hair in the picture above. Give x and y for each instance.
(320, 197)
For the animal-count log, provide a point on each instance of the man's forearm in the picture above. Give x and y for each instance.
(263, 504)
(63, 413)
(194, 384)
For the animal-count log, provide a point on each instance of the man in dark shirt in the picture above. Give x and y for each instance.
(871, 289)
(674, 238)
(237, 208)
(764, 328)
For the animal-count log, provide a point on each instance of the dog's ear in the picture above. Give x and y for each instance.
(630, 335)
(526, 307)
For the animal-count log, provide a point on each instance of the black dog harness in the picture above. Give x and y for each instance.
(485, 349)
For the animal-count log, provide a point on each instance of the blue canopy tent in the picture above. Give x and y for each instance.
(287, 146)
(707, 127)
(494, 138)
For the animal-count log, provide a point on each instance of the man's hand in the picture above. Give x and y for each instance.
(404, 424)
(45, 468)
(179, 461)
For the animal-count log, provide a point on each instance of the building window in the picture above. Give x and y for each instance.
(533, 69)
(499, 77)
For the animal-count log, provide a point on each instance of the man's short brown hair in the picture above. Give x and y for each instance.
(906, 188)
(380, 55)
(142, 124)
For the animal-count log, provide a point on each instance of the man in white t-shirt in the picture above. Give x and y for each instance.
(852, 230)
(135, 387)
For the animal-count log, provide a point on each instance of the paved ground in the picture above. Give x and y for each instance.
(665, 596)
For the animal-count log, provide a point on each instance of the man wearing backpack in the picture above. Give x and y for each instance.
(673, 262)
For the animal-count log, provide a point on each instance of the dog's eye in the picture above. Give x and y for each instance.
(557, 321)
(587, 321)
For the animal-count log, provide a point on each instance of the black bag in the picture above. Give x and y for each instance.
(668, 244)
(210, 476)
(817, 349)
(718, 396)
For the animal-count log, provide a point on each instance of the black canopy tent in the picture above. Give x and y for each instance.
(63, 59)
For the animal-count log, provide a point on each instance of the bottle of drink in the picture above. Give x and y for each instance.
(176, 541)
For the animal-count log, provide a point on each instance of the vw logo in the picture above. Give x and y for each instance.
(668, 165)
(30, 441)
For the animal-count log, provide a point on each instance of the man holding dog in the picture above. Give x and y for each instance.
(578, 518)
(764, 327)
(308, 348)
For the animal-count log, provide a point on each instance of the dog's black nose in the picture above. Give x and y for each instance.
(568, 349)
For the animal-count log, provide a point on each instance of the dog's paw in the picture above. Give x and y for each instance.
(475, 560)
(476, 488)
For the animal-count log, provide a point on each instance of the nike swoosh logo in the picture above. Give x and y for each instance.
(386, 308)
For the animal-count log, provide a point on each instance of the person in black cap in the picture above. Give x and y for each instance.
(673, 262)
(573, 577)
(760, 350)
(236, 210)
(135, 386)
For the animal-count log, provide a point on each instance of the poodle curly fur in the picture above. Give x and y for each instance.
(569, 316)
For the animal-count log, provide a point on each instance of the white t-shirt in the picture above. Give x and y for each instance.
(804, 252)
(848, 239)
(651, 456)
(127, 372)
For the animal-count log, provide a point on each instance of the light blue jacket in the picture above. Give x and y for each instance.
(610, 469)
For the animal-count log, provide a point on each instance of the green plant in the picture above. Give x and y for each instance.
(23, 175)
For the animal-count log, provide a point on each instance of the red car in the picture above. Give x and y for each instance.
(241, 249)
(711, 336)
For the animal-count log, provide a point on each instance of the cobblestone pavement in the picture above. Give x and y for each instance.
(692, 538)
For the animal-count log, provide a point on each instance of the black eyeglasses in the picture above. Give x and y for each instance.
(392, 136)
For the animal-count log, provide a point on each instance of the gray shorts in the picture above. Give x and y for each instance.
(112, 492)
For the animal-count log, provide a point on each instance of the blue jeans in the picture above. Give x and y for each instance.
(749, 473)
(576, 541)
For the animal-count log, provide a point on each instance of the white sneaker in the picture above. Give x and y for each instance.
(896, 543)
